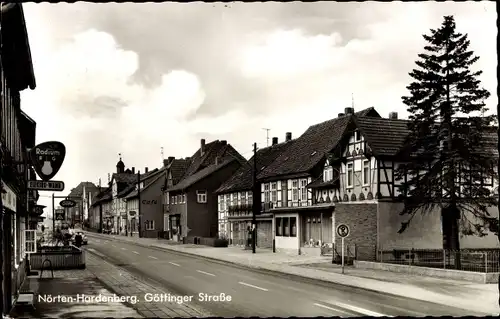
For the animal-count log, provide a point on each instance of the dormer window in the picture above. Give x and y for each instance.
(328, 174)
(357, 136)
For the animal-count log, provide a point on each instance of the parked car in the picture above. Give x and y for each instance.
(84, 237)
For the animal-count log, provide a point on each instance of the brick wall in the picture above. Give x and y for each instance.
(265, 234)
(362, 222)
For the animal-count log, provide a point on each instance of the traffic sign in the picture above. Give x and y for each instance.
(60, 214)
(67, 203)
(343, 230)
(46, 186)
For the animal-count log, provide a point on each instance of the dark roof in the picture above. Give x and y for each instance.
(198, 176)
(178, 168)
(103, 196)
(384, 136)
(387, 137)
(124, 178)
(132, 189)
(310, 148)
(212, 150)
(319, 183)
(78, 190)
(242, 179)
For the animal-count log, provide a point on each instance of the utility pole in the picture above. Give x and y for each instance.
(139, 201)
(1, 231)
(255, 198)
(267, 135)
(53, 216)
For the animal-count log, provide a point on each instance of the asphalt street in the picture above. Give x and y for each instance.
(254, 293)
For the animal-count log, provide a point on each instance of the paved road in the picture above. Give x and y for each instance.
(255, 293)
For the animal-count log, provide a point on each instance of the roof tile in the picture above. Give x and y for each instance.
(311, 147)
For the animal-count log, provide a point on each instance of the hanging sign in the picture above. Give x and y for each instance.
(47, 159)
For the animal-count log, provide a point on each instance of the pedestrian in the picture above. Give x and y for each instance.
(78, 240)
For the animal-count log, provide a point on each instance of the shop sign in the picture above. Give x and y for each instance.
(9, 198)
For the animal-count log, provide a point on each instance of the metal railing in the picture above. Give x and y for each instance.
(475, 260)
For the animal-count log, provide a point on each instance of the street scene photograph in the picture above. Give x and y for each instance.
(231, 159)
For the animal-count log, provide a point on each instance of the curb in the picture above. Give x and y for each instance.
(445, 302)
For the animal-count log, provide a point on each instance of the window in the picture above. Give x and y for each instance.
(165, 223)
(15, 255)
(274, 192)
(350, 175)
(184, 198)
(357, 136)
(293, 226)
(286, 228)
(174, 199)
(201, 196)
(243, 198)
(30, 240)
(150, 225)
(366, 172)
(279, 229)
(295, 191)
(303, 190)
(267, 198)
(167, 199)
(221, 203)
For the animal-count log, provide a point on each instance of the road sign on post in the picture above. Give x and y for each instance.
(59, 214)
(343, 232)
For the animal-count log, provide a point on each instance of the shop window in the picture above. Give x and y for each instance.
(286, 227)
(279, 229)
(293, 226)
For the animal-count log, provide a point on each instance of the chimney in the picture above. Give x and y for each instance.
(165, 162)
(145, 169)
(217, 160)
(224, 142)
(341, 114)
(288, 137)
(133, 170)
(202, 147)
(275, 140)
(349, 110)
(171, 159)
(393, 115)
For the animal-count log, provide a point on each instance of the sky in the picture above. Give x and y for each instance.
(132, 79)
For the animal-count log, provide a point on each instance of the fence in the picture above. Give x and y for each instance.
(60, 258)
(475, 260)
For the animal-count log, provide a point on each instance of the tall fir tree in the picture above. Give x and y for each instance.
(451, 148)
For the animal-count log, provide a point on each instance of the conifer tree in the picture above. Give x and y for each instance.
(451, 147)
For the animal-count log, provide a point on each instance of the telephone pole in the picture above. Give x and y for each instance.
(139, 202)
(255, 198)
(267, 135)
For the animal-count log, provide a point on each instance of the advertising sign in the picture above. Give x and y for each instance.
(60, 214)
(67, 203)
(47, 159)
(46, 186)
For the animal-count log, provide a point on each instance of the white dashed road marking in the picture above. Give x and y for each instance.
(206, 273)
(256, 287)
(113, 245)
(135, 252)
(124, 248)
(330, 308)
(174, 264)
(360, 310)
(152, 257)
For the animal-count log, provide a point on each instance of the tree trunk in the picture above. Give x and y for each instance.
(451, 234)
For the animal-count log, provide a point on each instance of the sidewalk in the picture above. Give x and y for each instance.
(477, 297)
(68, 284)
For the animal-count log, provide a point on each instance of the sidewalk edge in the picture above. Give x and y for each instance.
(458, 303)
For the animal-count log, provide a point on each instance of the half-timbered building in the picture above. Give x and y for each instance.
(299, 224)
(235, 201)
(358, 178)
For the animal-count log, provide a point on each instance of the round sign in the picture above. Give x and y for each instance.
(343, 230)
(67, 203)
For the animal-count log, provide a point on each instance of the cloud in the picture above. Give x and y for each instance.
(132, 78)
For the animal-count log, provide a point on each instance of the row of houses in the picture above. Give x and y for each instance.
(20, 213)
(340, 171)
